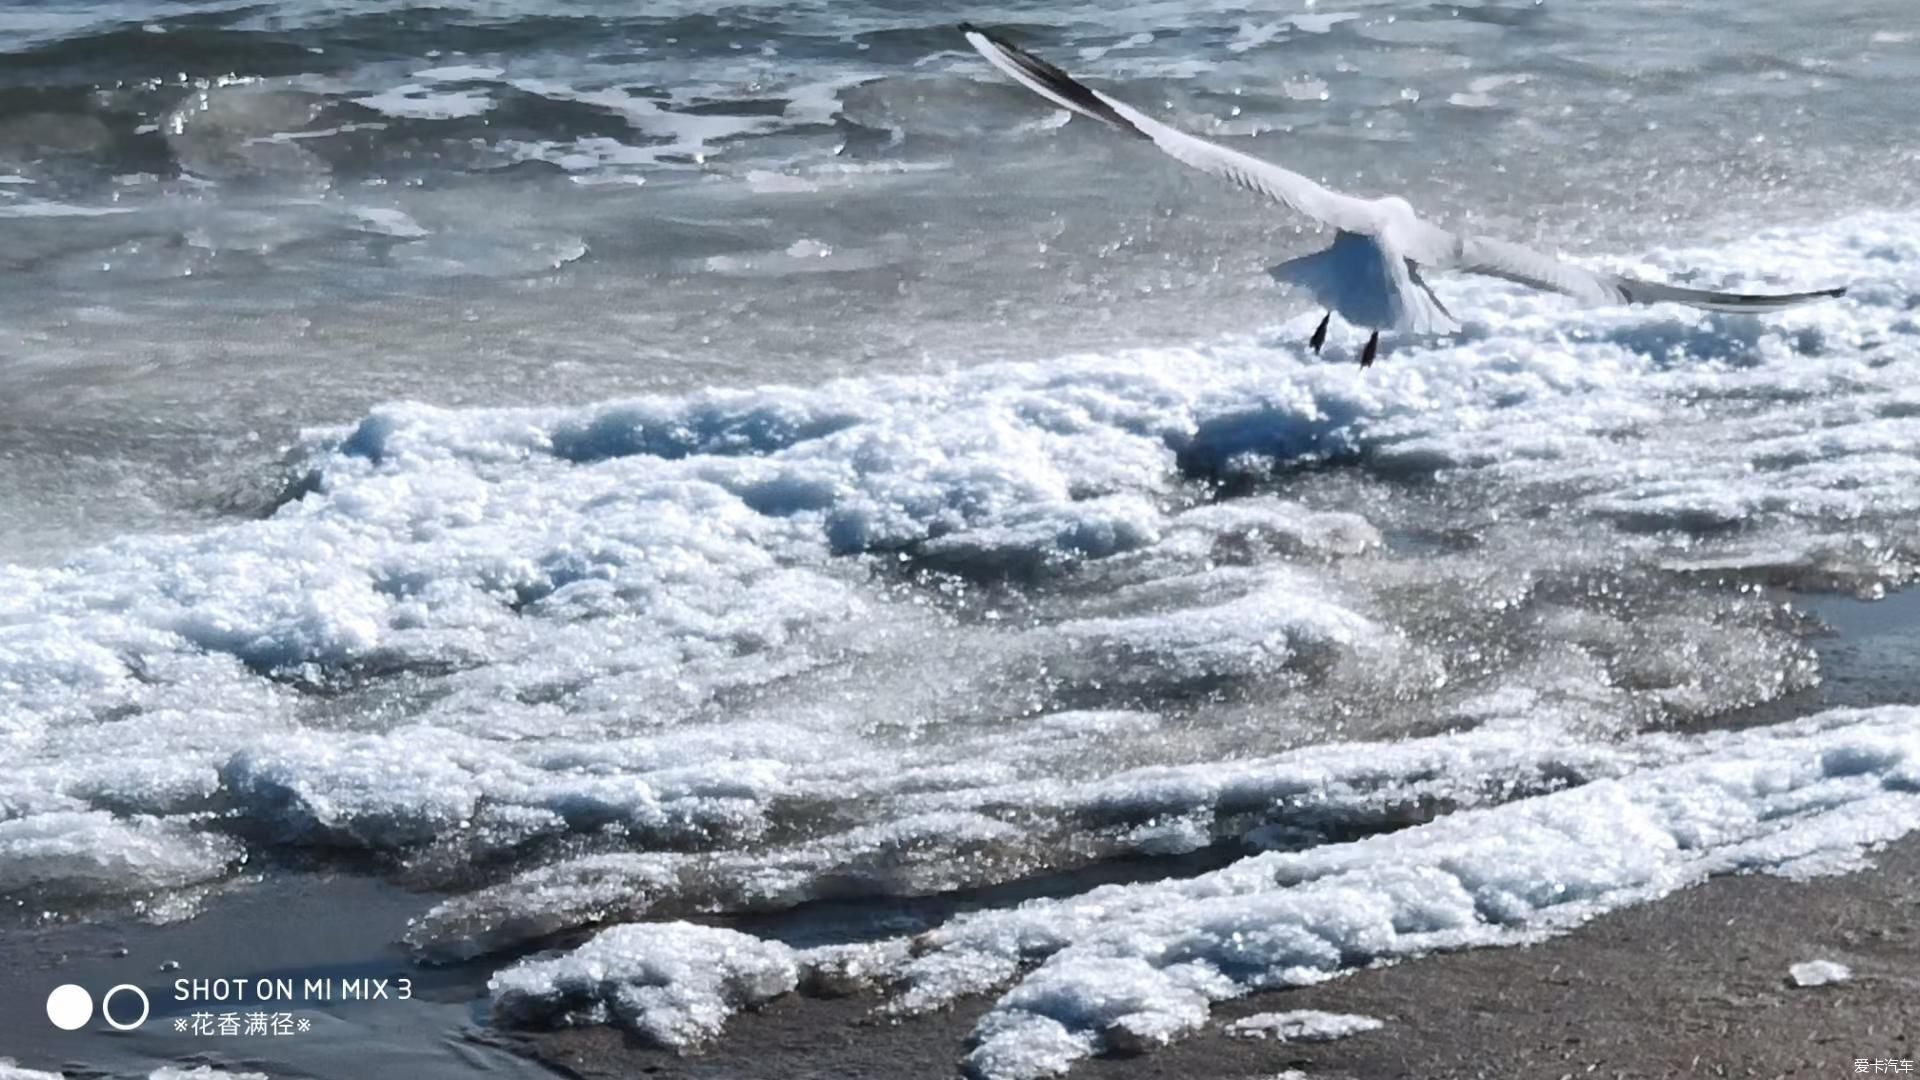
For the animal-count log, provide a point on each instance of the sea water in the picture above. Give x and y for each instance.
(594, 466)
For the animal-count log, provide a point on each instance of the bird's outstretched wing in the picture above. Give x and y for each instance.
(1391, 221)
(1501, 259)
(1366, 217)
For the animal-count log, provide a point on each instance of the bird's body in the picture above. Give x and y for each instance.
(1364, 282)
(1371, 276)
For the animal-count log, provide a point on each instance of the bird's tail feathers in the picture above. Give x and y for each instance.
(1367, 293)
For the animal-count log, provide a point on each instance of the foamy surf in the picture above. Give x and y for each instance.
(752, 505)
(1129, 967)
(715, 623)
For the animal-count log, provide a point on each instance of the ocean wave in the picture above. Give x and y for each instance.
(701, 622)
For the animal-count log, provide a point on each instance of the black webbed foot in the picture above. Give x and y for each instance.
(1373, 347)
(1319, 337)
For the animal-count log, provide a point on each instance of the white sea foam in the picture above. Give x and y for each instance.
(388, 221)
(460, 73)
(1126, 960)
(959, 838)
(58, 209)
(672, 132)
(790, 628)
(1124, 968)
(417, 101)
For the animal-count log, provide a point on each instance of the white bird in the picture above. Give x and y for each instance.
(1371, 274)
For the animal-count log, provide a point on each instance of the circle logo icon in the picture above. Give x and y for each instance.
(70, 1007)
(107, 1015)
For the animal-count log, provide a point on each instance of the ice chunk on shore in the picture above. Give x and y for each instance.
(90, 853)
(1301, 1025)
(1819, 973)
(672, 984)
(578, 892)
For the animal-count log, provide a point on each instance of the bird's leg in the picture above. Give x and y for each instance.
(1373, 346)
(1319, 337)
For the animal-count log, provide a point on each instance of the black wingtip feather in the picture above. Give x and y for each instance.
(1057, 81)
(1635, 291)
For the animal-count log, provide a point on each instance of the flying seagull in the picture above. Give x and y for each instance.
(1371, 274)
